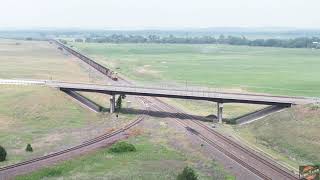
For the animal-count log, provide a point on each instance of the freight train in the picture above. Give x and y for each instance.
(106, 71)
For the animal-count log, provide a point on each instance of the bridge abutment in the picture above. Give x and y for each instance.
(112, 103)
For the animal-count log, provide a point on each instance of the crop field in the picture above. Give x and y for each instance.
(257, 69)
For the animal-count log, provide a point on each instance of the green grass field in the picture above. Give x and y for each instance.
(150, 162)
(258, 69)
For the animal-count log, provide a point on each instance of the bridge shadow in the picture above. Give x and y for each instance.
(164, 114)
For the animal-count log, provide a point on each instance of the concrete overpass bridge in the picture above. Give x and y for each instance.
(219, 97)
(214, 96)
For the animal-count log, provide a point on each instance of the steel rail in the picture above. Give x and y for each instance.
(87, 143)
(234, 144)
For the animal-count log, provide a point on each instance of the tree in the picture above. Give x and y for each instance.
(187, 174)
(29, 148)
(3, 154)
(119, 102)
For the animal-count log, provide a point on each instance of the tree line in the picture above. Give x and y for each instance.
(301, 42)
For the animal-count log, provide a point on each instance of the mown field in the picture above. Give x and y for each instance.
(258, 69)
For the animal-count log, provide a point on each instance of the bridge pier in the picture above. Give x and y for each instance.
(112, 103)
(219, 112)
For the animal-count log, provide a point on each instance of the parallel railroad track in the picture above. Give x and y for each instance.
(167, 108)
(188, 124)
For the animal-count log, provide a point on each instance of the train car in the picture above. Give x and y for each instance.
(109, 73)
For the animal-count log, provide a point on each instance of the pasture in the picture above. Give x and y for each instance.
(257, 69)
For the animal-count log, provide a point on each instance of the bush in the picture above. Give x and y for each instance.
(187, 174)
(29, 148)
(120, 147)
(3, 154)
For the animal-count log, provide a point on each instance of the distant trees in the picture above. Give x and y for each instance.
(232, 40)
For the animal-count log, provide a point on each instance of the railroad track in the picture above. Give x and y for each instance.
(189, 124)
(85, 144)
(167, 108)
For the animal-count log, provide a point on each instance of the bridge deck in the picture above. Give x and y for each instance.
(185, 94)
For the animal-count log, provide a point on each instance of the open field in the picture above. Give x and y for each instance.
(38, 60)
(258, 69)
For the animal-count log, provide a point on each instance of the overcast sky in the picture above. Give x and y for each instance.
(129, 14)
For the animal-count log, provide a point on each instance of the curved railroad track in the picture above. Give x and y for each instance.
(73, 149)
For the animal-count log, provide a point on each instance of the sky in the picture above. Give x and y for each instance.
(146, 14)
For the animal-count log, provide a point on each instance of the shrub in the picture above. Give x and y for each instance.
(187, 174)
(29, 148)
(3, 154)
(120, 147)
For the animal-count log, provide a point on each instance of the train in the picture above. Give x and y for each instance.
(106, 71)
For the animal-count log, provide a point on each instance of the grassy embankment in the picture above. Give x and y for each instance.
(292, 136)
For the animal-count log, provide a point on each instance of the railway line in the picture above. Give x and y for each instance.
(262, 167)
(8, 172)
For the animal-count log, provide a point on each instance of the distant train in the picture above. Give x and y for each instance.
(108, 72)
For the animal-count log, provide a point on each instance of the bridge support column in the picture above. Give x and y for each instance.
(219, 111)
(112, 103)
